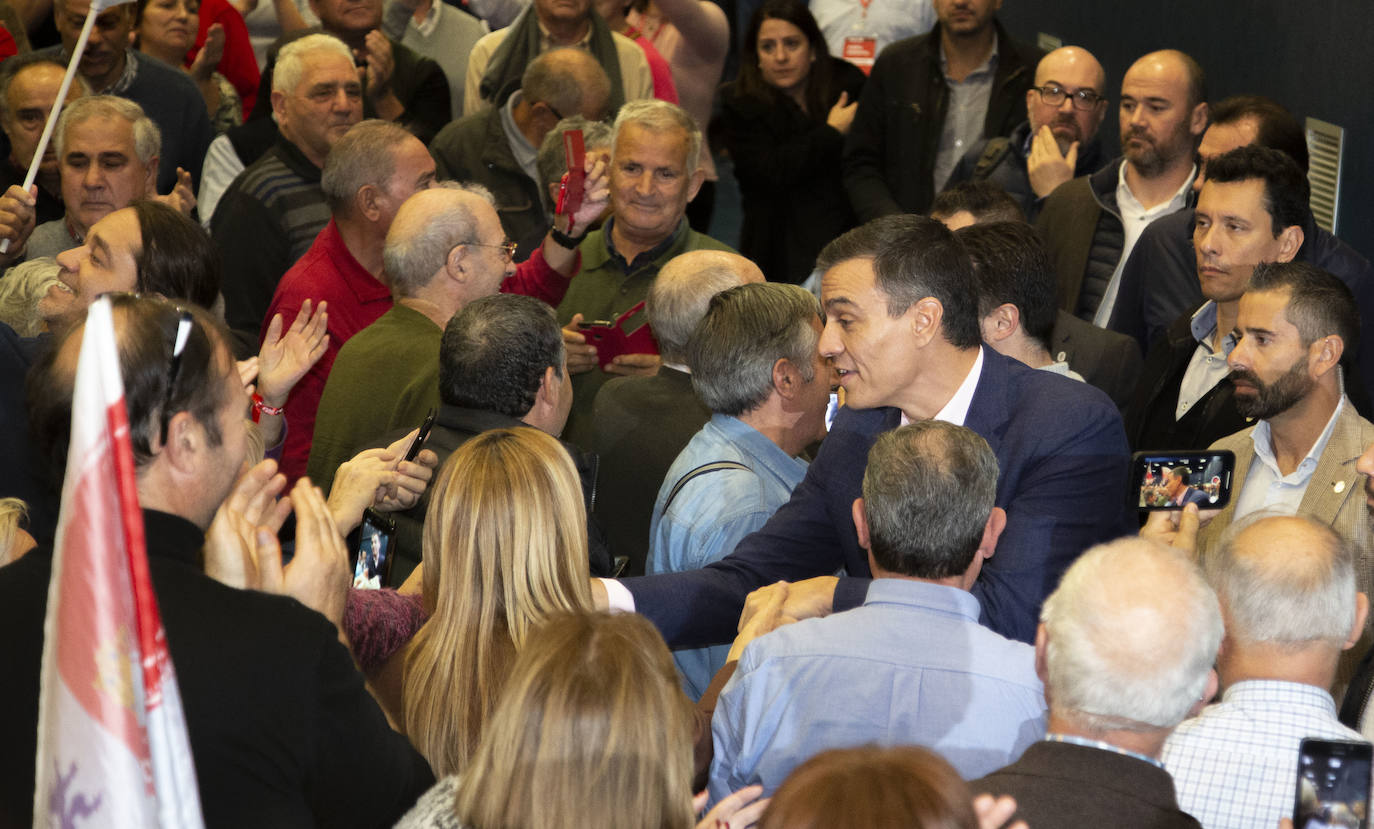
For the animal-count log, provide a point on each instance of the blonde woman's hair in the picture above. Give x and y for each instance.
(505, 546)
(12, 511)
(593, 729)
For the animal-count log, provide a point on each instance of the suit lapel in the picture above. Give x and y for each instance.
(1335, 480)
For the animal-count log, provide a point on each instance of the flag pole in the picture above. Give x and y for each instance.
(42, 148)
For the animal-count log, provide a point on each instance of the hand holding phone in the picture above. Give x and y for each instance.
(611, 339)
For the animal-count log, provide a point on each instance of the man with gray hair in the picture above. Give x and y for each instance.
(107, 152)
(444, 249)
(1289, 600)
(654, 174)
(1125, 648)
(912, 664)
(642, 423)
(271, 213)
(498, 148)
(754, 363)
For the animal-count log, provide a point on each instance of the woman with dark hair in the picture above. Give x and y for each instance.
(166, 29)
(785, 118)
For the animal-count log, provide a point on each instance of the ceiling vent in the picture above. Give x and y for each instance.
(1324, 146)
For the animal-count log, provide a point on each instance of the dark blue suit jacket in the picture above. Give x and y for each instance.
(1062, 457)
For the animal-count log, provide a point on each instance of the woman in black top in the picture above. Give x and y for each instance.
(785, 118)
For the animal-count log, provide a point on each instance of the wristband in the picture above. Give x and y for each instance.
(563, 240)
(261, 408)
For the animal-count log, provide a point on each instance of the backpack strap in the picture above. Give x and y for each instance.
(996, 150)
(704, 469)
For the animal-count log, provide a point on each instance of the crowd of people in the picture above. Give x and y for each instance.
(837, 529)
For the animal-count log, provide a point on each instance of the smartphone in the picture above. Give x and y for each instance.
(419, 443)
(372, 559)
(1171, 479)
(1333, 785)
(573, 186)
(612, 340)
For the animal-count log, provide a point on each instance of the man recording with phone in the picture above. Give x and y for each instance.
(1287, 587)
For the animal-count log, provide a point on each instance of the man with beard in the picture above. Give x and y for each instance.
(1294, 323)
(1091, 223)
(1252, 209)
(1059, 139)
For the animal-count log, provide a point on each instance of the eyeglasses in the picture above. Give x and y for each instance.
(551, 108)
(1054, 95)
(508, 246)
(184, 324)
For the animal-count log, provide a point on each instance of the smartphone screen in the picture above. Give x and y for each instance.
(372, 559)
(1333, 785)
(1169, 480)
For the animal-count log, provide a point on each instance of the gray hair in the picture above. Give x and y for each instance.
(413, 255)
(677, 300)
(552, 161)
(290, 67)
(20, 63)
(23, 287)
(746, 330)
(364, 155)
(495, 351)
(563, 79)
(1294, 597)
(147, 137)
(659, 117)
(1133, 631)
(929, 488)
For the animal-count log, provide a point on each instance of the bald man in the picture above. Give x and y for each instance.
(1091, 224)
(642, 423)
(499, 148)
(1058, 139)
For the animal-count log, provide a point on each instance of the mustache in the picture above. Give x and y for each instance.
(1246, 376)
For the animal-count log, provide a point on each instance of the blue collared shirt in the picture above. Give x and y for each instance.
(911, 666)
(713, 512)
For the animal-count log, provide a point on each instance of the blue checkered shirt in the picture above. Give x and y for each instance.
(1236, 763)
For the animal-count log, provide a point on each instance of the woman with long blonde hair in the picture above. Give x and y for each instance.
(593, 730)
(505, 547)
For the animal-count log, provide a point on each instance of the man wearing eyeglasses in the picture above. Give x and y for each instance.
(1057, 142)
(445, 248)
(498, 148)
(1091, 224)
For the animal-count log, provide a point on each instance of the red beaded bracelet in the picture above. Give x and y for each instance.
(260, 408)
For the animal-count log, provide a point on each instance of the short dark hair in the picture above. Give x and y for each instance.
(494, 352)
(1319, 303)
(1277, 128)
(177, 258)
(928, 490)
(986, 201)
(1286, 190)
(1181, 472)
(1010, 265)
(146, 329)
(915, 257)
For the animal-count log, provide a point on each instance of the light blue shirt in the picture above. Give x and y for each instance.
(714, 512)
(1266, 487)
(911, 666)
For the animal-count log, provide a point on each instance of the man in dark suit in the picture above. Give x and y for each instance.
(642, 423)
(1177, 488)
(1125, 648)
(279, 722)
(902, 331)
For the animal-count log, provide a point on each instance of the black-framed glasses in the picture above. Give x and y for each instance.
(1053, 94)
(185, 322)
(508, 246)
